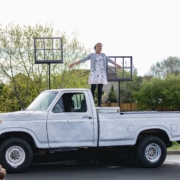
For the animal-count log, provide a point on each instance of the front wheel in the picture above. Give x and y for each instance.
(151, 152)
(15, 155)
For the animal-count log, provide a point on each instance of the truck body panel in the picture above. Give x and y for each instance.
(116, 129)
(90, 128)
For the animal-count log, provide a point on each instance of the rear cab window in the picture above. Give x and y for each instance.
(71, 102)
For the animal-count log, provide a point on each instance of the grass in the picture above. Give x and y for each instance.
(174, 147)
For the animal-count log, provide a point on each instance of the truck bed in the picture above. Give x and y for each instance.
(123, 128)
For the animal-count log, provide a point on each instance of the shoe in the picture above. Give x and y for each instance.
(99, 103)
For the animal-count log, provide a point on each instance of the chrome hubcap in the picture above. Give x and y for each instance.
(153, 152)
(15, 156)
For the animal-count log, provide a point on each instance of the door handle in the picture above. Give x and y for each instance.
(87, 117)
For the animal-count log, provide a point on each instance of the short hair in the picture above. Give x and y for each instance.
(97, 44)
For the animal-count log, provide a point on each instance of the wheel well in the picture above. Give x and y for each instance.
(158, 133)
(22, 135)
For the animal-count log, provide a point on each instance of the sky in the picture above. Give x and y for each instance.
(148, 30)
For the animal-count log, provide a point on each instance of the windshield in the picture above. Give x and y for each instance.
(43, 101)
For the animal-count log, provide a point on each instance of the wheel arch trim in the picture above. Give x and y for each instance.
(162, 128)
(38, 143)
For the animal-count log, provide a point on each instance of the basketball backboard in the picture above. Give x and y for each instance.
(123, 74)
(48, 50)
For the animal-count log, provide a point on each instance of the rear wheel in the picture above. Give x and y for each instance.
(15, 155)
(151, 152)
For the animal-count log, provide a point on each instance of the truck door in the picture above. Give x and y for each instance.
(70, 123)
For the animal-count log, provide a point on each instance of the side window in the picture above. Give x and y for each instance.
(59, 107)
(74, 102)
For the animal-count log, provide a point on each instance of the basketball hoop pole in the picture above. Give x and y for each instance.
(112, 73)
(119, 82)
(48, 50)
(49, 72)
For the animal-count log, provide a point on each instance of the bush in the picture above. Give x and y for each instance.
(112, 95)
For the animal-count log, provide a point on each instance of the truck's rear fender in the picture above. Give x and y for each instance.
(25, 134)
(160, 132)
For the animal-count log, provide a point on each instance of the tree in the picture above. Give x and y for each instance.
(171, 65)
(150, 94)
(112, 95)
(17, 57)
(127, 87)
(171, 92)
(7, 99)
(77, 77)
(157, 92)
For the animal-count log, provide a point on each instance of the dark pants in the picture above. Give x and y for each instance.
(93, 88)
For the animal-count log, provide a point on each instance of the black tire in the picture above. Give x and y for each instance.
(17, 150)
(151, 152)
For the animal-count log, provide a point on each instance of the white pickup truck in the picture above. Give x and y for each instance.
(66, 119)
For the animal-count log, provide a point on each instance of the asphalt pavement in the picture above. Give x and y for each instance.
(170, 170)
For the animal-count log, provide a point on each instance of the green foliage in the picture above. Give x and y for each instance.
(175, 146)
(127, 87)
(18, 98)
(159, 92)
(149, 95)
(76, 78)
(112, 95)
(162, 92)
(171, 92)
(24, 80)
(168, 66)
